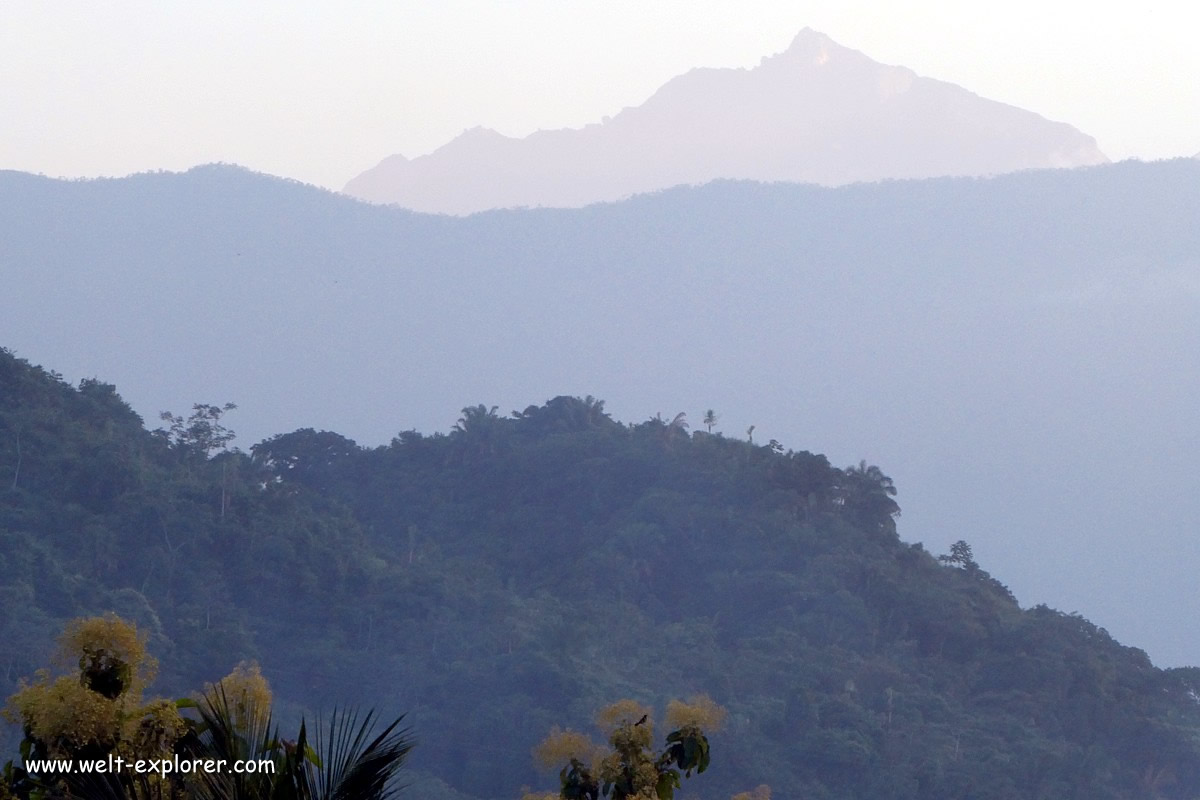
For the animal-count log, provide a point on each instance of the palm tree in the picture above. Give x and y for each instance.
(241, 729)
(866, 490)
(475, 418)
(349, 762)
(231, 724)
(710, 419)
(480, 429)
(355, 762)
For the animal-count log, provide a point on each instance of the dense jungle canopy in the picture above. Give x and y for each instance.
(526, 568)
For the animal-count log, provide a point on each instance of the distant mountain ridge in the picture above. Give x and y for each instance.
(1044, 318)
(815, 113)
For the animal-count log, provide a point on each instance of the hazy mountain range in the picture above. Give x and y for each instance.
(817, 112)
(1018, 353)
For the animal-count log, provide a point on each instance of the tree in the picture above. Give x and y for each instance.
(564, 414)
(349, 762)
(629, 768)
(868, 492)
(97, 712)
(201, 434)
(312, 458)
(960, 556)
(710, 419)
(475, 418)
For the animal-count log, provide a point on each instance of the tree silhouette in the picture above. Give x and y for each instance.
(201, 434)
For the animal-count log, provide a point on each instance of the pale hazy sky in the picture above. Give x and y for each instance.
(319, 91)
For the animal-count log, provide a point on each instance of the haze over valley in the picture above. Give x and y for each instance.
(1013, 350)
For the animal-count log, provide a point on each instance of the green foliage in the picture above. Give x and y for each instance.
(202, 434)
(629, 768)
(81, 716)
(960, 555)
(520, 570)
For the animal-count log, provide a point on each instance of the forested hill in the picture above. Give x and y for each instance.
(527, 568)
(1023, 336)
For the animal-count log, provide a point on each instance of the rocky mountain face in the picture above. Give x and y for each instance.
(815, 113)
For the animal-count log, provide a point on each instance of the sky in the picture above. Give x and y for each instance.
(320, 91)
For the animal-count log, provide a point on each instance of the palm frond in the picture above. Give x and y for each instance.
(354, 763)
(245, 733)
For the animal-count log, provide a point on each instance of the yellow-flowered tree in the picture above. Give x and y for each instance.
(629, 767)
(96, 710)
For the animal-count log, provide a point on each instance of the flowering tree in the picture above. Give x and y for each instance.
(95, 712)
(629, 768)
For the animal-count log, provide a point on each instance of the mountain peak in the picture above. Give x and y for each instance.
(817, 112)
(811, 48)
(809, 35)
(481, 132)
(808, 39)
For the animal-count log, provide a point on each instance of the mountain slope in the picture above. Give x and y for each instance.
(817, 112)
(523, 571)
(1029, 332)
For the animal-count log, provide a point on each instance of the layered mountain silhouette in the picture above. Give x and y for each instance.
(1013, 351)
(816, 113)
